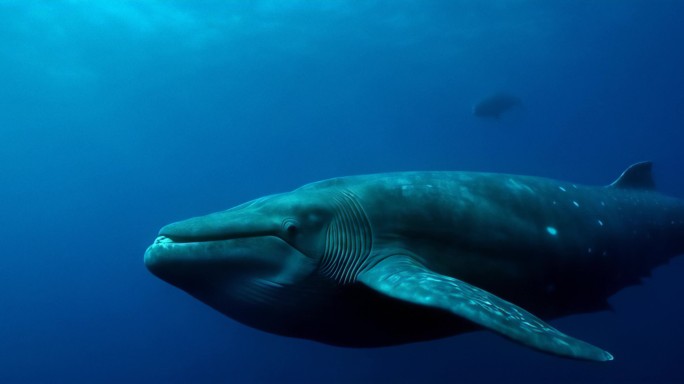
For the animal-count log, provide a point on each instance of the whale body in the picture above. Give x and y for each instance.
(386, 259)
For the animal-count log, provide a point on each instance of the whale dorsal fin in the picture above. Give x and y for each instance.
(637, 176)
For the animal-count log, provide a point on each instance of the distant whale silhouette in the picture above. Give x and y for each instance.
(495, 105)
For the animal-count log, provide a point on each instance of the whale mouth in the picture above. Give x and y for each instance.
(165, 249)
(199, 247)
(194, 264)
(168, 240)
(216, 227)
(163, 239)
(169, 251)
(165, 243)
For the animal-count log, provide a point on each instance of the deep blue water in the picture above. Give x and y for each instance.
(119, 117)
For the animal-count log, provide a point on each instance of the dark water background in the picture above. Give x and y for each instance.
(117, 117)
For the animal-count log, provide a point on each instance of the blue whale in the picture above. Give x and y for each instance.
(376, 260)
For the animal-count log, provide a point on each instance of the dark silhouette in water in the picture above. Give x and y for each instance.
(495, 105)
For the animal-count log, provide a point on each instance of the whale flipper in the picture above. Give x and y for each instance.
(402, 278)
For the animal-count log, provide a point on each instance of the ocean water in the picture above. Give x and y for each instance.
(118, 117)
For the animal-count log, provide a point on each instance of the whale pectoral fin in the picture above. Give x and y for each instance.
(403, 278)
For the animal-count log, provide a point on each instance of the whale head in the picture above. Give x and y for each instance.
(269, 257)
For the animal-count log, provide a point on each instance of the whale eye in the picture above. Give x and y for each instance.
(291, 226)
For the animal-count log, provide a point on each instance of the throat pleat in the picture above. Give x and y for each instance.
(348, 240)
